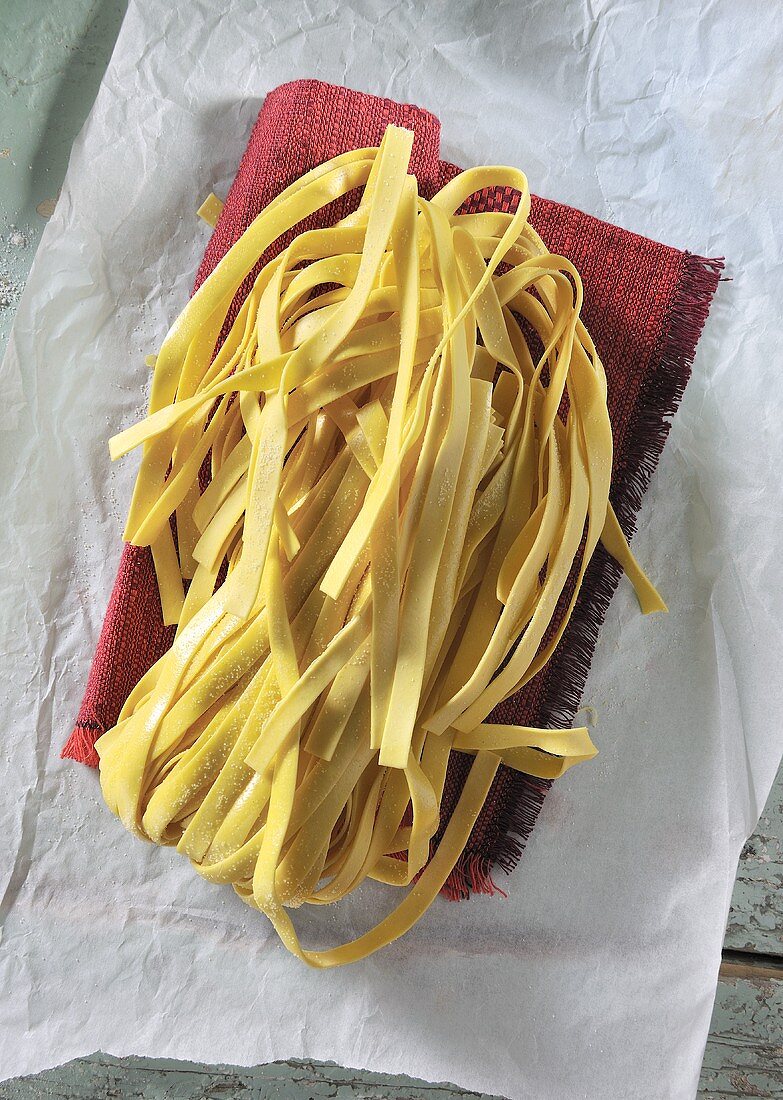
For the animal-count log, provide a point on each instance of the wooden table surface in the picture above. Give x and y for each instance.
(54, 57)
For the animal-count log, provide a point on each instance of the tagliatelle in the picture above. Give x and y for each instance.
(210, 209)
(396, 504)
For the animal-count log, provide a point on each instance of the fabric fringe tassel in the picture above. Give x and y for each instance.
(471, 876)
(80, 746)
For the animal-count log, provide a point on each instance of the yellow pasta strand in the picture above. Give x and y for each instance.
(210, 209)
(396, 506)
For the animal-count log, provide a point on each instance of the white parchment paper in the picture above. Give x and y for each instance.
(596, 977)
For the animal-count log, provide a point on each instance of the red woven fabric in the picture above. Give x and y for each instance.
(645, 305)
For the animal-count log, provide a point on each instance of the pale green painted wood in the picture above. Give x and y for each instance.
(744, 1055)
(756, 916)
(100, 1077)
(54, 54)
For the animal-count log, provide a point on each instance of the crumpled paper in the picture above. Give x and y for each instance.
(596, 977)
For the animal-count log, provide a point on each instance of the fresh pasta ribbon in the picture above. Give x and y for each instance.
(210, 209)
(395, 509)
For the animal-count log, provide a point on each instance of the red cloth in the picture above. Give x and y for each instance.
(645, 305)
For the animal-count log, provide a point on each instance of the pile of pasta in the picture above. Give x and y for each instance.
(395, 507)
